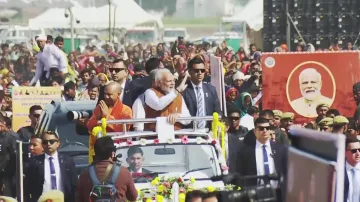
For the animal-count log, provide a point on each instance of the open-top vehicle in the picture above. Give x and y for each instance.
(171, 162)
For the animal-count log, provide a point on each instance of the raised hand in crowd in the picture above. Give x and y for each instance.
(183, 84)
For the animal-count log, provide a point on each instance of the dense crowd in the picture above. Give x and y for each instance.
(140, 81)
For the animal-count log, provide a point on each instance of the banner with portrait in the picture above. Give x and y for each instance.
(25, 97)
(299, 82)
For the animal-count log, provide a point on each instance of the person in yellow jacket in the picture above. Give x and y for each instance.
(71, 76)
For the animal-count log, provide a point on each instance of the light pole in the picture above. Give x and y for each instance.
(71, 15)
(109, 20)
(72, 29)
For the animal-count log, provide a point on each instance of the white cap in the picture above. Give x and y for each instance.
(238, 76)
(41, 37)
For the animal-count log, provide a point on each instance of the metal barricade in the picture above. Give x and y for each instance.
(126, 122)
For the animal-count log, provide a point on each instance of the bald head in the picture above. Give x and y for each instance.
(112, 93)
(114, 87)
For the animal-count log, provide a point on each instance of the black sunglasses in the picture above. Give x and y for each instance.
(354, 150)
(234, 118)
(36, 115)
(261, 128)
(117, 70)
(46, 142)
(198, 70)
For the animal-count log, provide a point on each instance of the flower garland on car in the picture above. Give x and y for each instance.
(163, 188)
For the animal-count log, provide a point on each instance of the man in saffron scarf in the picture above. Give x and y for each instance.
(110, 108)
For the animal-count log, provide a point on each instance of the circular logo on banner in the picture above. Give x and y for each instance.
(269, 62)
(310, 84)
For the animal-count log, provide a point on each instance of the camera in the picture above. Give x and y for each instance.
(254, 194)
(258, 193)
(66, 14)
(76, 115)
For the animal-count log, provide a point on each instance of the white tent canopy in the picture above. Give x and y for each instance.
(37, 3)
(252, 14)
(128, 14)
(55, 18)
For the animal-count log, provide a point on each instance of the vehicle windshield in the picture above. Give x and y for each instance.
(141, 36)
(184, 160)
(72, 137)
(174, 33)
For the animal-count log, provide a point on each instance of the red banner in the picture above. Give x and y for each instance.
(298, 82)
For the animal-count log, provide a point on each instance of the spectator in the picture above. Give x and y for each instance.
(104, 155)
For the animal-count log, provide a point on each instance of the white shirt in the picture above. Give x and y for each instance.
(122, 91)
(47, 173)
(202, 94)
(348, 168)
(138, 110)
(152, 100)
(247, 121)
(50, 57)
(260, 158)
(15, 83)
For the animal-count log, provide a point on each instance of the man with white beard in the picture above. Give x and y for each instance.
(164, 100)
(310, 87)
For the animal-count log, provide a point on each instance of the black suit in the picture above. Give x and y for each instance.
(126, 97)
(212, 103)
(138, 87)
(34, 173)
(235, 142)
(246, 163)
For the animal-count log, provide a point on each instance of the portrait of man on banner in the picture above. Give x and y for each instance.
(310, 84)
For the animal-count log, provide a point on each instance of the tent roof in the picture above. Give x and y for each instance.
(128, 14)
(252, 14)
(38, 3)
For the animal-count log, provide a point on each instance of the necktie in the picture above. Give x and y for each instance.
(356, 185)
(53, 174)
(200, 107)
(266, 161)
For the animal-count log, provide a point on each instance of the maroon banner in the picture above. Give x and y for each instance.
(298, 82)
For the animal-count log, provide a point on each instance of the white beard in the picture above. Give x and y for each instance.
(311, 95)
(167, 90)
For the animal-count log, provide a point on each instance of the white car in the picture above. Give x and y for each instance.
(170, 161)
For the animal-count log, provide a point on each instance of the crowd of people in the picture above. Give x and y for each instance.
(149, 82)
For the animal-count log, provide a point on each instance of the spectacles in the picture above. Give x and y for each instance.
(46, 142)
(117, 70)
(261, 128)
(354, 150)
(198, 70)
(234, 118)
(323, 129)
